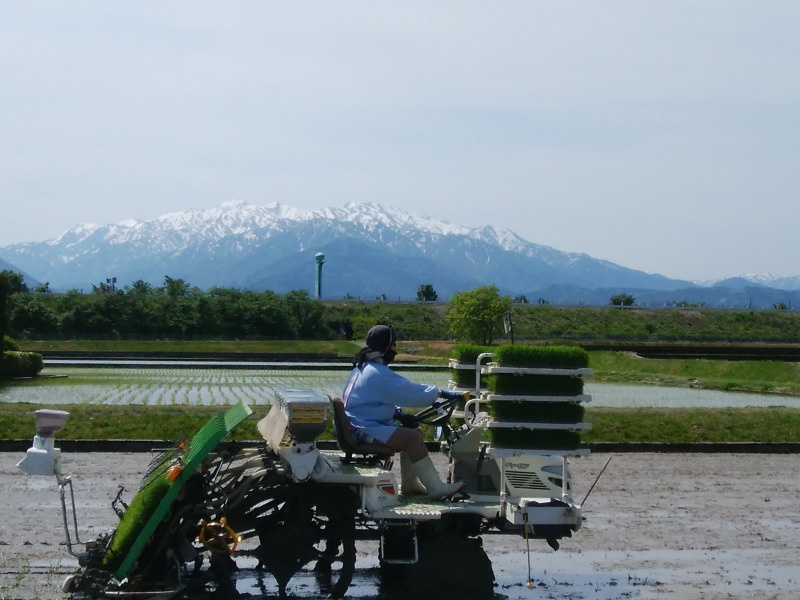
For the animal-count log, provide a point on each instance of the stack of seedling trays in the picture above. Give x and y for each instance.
(465, 371)
(463, 367)
(534, 400)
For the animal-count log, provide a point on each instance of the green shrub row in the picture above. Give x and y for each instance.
(180, 311)
(21, 364)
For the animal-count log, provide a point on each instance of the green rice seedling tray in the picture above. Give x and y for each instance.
(556, 440)
(530, 426)
(489, 397)
(554, 357)
(536, 412)
(497, 452)
(502, 369)
(534, 384)
(468, 354)
(464, 376)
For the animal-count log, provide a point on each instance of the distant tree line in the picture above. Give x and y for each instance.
(174, 310)
(12, 362)
(178, 310)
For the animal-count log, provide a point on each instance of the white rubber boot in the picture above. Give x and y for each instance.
(437, 489)
(410, 485)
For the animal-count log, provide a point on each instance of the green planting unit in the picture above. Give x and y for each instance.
(161, 485)
(152, 490)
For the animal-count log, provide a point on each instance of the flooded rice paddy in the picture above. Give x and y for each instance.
(168, 386)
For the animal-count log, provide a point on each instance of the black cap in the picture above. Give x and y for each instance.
(380, 338)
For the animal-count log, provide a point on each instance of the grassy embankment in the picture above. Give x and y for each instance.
(769, 424)
(175, 423)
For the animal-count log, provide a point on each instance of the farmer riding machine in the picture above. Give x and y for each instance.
(211, 508)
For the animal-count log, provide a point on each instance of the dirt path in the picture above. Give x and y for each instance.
(710, 526)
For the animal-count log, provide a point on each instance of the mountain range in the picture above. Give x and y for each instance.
(370, 251)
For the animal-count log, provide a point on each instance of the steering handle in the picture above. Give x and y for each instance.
(441, 410)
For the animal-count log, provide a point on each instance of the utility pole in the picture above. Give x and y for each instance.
(508, 325)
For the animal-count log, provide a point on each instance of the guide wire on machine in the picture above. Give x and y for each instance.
(596, 480)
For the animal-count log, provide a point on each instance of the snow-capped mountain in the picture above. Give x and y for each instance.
(767, 280)
(370, 251)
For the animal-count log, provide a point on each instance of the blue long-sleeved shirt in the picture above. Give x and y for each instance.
(372, 394)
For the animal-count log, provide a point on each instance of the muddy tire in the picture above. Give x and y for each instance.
(452, 566)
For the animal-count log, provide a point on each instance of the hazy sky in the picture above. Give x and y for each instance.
(661, 135)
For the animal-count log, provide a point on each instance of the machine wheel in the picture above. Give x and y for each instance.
(286, 548)
(339, 506)
(452, 566)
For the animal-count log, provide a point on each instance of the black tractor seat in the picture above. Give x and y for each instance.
(349, 444)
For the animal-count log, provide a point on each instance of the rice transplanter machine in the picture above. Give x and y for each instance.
(211, 507)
